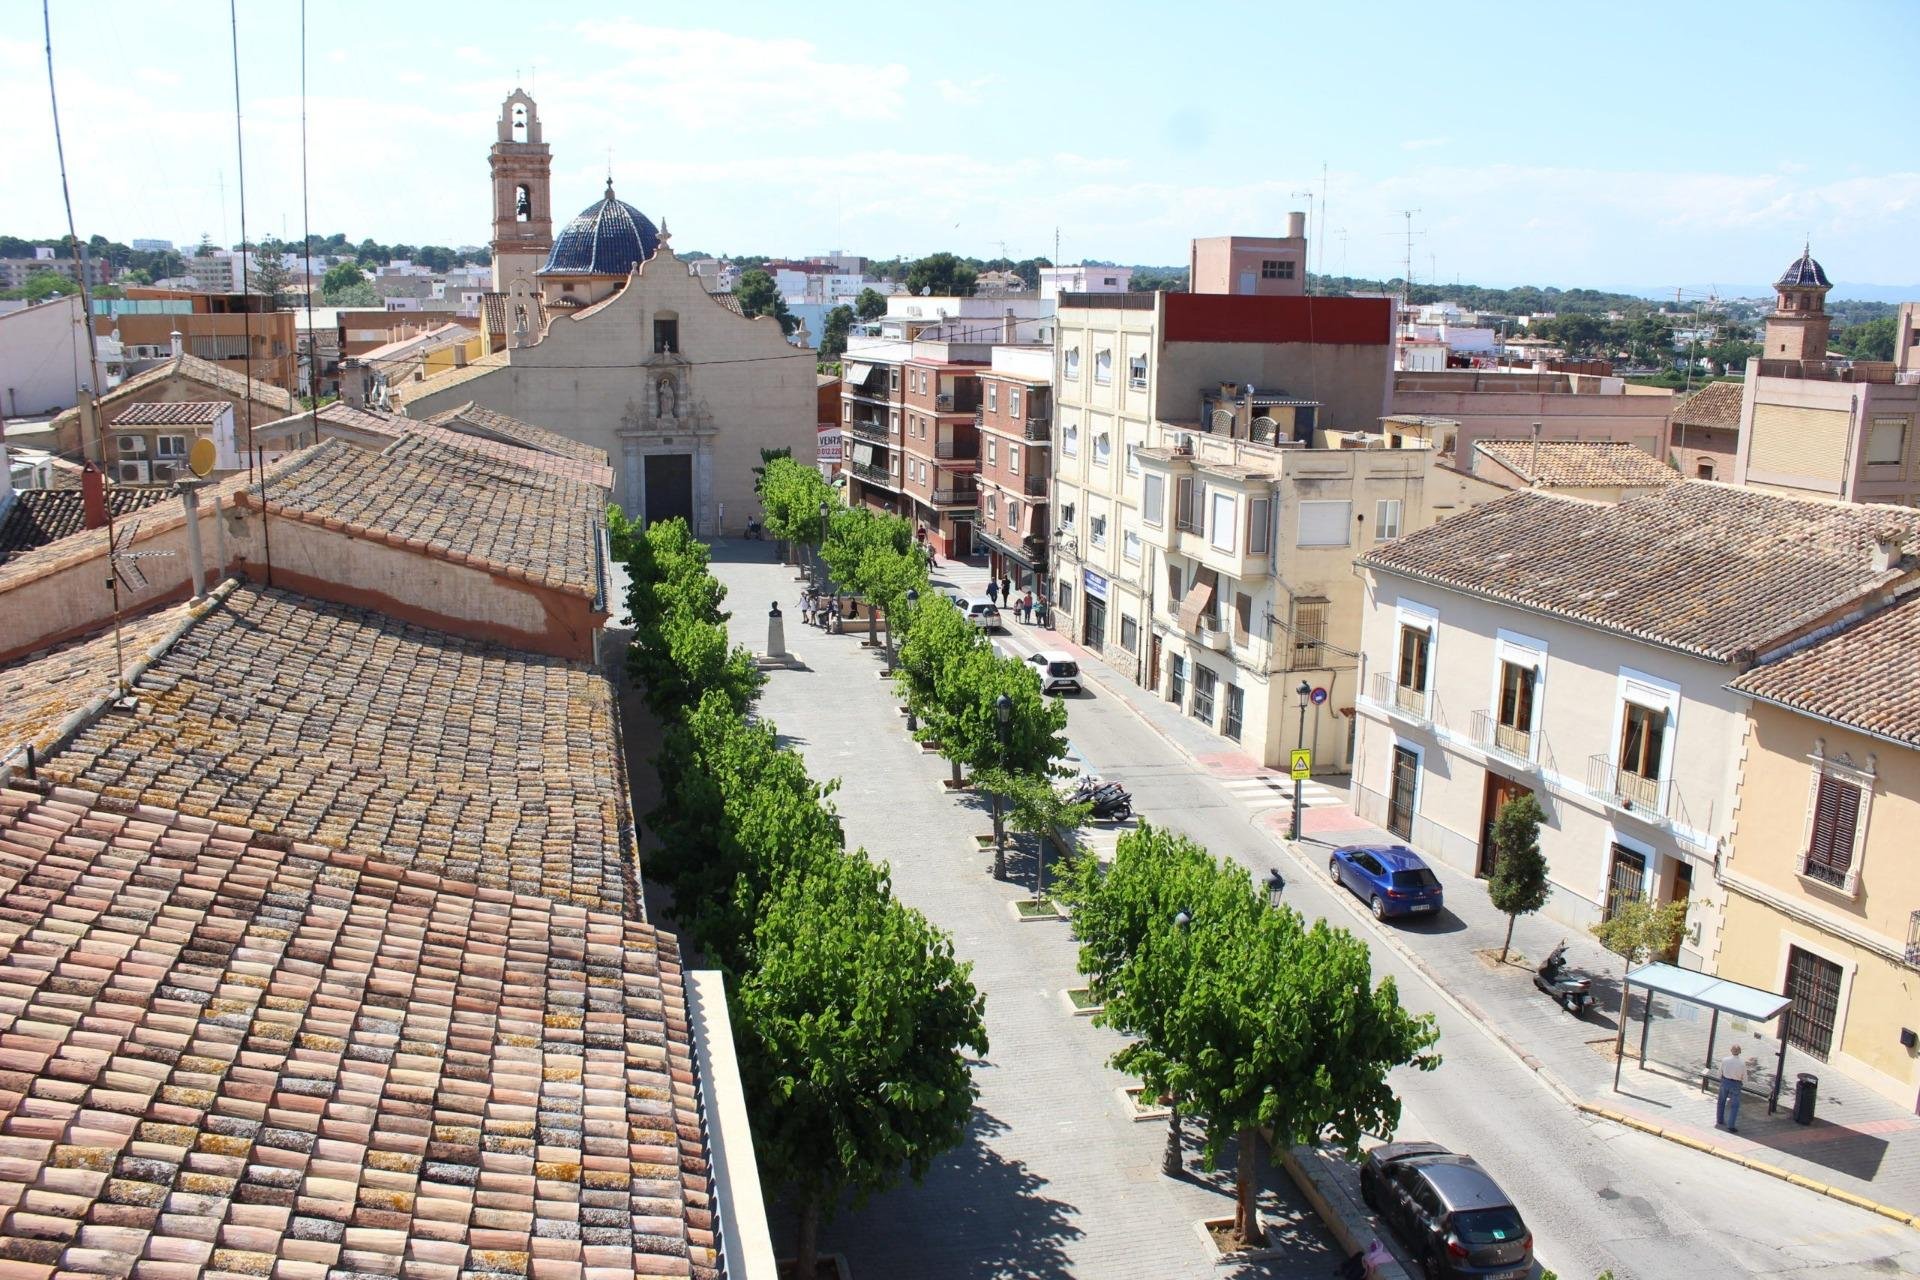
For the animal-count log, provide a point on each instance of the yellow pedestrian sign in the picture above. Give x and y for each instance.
(1300, 764)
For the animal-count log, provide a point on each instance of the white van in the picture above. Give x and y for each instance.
(1058, 672)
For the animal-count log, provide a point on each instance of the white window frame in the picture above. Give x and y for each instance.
(1874, 429)
(1843, 768)
(1130, 545)
(1522, 651)
(1102, 448)
(1070, 439)
(1013, 459)
(1133, 458)
(1013, 402)
(1070, 364)
(993, 507)
(1259, 525)
(1383, 527)
(160, 449)
(1103, 367)
(993, 451)
(1096, 530)
(1421, 617)
(1013, 514)
(1153, 500)
(993, 397)
(1222, 521)
(1650, 693)
(1137, 372)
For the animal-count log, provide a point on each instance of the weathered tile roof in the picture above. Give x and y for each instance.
(409, 391)
(481, 764)
(1707, 568)
(451, 503)
(1715, 405)
(37, 517)
(1867, 676)
(478, 420)
(207, 373)
(337, 415)
(164, 413)
(584, 470)
(230, 1054)
(1553, 464)
(42, 690)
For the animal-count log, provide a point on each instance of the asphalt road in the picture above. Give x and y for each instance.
(1596, 1195)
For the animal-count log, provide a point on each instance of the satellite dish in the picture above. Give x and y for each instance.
(200, 457)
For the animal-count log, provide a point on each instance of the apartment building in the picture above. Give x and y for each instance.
(1130, 368)
(1085, 278)
(1585, 653)
(15, 272)
(1259, 266)
(150, 440)
(1833, 428)
(940, 444)
(1015, 422)
(1489, 404)
(872, 404)
(239, 330)
(1823, 891)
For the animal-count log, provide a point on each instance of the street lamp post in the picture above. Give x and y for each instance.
(1172, 1162)
(1002, 716)
(820, 552)
(1305, 691)
(913, 598)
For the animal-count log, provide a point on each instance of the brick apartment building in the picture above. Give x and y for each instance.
(940, 447)
(1015, 421)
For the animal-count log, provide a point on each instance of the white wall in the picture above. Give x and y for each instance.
(43, 358)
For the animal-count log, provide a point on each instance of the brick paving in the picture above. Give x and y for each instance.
(1055, 1179)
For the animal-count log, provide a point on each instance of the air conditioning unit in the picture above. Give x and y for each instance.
(1183, 443)
(164, 472)
(130, 472)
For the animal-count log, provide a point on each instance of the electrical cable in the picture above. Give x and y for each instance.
(255, 461)
(306, 240)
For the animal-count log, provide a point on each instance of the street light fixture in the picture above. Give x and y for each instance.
(1305, 691)
(1002, 717)
(1275, 886)
(1171, 1163)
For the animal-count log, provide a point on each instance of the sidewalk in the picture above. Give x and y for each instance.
(1859, 1146)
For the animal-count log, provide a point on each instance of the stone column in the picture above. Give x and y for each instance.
(703, 486)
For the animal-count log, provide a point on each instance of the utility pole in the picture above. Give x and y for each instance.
(1406, 270)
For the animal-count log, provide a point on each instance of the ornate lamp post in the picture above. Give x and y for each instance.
(1002, 717)
(1305, 691)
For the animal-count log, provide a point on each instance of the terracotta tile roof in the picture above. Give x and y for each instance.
(42, 690)
(1707, 568)
(207, 373)
(475, 762)
(475, 419)
(453, 504)
(579, 463)
(408, 391)
(1866, 676)
(158, 413)
(341, 416)
(1715, 405)
(37, 517)
(586, 471)
(1553, 464)
(233, 1055)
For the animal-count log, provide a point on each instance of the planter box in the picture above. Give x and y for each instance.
(1129, 1096)
(1076, 1009)
(1207, 1226)
(1026, 911)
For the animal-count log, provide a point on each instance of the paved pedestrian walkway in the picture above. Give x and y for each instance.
(1859, 1143)
(1057, 1177)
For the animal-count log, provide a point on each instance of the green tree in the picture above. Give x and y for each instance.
(937, 634)
(42, 285)
(680, 648)
(205, 248)
(962, 716)
(767, 456)
(1637, 930)
(757, 296)
(942, 275)
(1245, 1014)
(354, 295)
(854, 1029)
(870, 305)
(341, 276)
(1872, 340)
(268, 276)
(791, 494)
(872, 554)
(1519, 884)
(1036, 808)
(833, 332)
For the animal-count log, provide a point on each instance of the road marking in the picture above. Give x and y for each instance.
(1275, 790)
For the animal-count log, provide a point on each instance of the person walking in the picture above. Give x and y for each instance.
(1006, 588)
(1733, 1077)
(993, 592)
(1026, 606)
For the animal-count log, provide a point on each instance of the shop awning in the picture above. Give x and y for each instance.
(1199, 596)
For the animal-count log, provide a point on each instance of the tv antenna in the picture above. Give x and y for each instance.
(1406, 274)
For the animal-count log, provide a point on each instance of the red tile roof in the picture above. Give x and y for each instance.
(1554, 464)
(1867, 676)
(40, 692)
(1710, 569)
(38, 517)
(477, 420)
(164, 413)
(1715, 405)
(229, 1054)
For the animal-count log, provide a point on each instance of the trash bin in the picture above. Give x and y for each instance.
(1804, 1089)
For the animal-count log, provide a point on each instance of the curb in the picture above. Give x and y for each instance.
(1747, 1162)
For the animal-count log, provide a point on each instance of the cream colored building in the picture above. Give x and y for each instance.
(619, 346)
(1823, 889)
(1832, 428)
(1583, 653)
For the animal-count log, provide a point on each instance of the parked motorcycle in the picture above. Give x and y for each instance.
(1110, 801)
(1571, 990)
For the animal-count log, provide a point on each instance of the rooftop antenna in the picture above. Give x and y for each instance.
(1406, 273)
(1310, 231)
(78, 250)
(123, 563)
(1323, 220)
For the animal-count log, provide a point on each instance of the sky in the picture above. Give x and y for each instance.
(1650, 146)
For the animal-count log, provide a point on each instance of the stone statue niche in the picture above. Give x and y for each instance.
(665, 400)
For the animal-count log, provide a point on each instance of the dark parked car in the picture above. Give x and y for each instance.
(1390, 878)
(1452, 1216)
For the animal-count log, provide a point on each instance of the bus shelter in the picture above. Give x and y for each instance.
(1676, 1046)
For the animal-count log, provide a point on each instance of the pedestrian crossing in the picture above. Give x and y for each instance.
(1275, 791)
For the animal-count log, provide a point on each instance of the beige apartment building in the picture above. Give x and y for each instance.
(1586, 653)
(1491, 404)
(1833, 428)
(1823, 891)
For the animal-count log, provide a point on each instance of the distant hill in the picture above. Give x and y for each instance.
(1842, 291)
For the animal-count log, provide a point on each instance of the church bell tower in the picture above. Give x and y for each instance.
(522, 197)
(1799, 326)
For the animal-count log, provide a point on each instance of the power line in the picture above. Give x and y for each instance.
(73, 242)
(255, 460)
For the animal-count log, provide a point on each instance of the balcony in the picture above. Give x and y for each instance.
(1039, 426)
(1212, 635)
(957, 450)
(1913, 940)
(875, 475)
(1502, 739)
(1034, 486)
(956, 496)
(1410, 704)
(875, 431)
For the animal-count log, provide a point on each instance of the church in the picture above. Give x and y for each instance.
(601, 334)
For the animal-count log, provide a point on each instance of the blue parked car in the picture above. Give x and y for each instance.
(1390, 878)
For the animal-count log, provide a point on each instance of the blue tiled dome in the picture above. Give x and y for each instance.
(1805, 272)
(607, 239)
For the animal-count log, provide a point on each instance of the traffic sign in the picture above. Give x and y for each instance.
(1319, 695)
(1300, 764)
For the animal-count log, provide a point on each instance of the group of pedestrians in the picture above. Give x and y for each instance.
(817, 610)
(1000, 595)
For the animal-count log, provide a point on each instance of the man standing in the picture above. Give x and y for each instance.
(1733, 1077)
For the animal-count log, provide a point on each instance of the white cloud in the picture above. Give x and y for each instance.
(966, 93)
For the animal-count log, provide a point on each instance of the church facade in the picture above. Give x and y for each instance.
(613, 342)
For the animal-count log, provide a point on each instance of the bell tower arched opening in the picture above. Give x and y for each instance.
(522, 192)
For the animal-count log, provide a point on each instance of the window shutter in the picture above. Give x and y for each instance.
(1836, 814)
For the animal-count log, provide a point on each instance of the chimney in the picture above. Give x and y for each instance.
(93, 497)
(179, 345)
(459, 355)
(1296, 225)
(1886, 550)
(1533, 457)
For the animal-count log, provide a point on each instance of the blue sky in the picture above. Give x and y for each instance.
(1540, 144)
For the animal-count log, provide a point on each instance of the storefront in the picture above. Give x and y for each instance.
(1093, 629)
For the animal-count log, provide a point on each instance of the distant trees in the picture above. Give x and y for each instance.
(942, 275)
(870, 305)
(757, 295)
(341, 276)
(268, 276)
(40, 286)
(833, 332)
(1872, 340)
